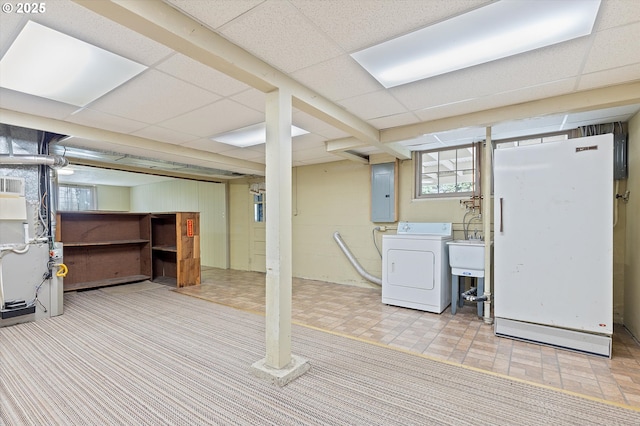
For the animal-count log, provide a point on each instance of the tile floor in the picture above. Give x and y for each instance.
(463, 338)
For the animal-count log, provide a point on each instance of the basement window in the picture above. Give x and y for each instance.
(258, 208)
(76, 198)
(448, 172)
(531, 140)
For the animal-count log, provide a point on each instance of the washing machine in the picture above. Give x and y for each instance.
(415, 267)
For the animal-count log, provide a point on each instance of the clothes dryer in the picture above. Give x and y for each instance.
(415, 267)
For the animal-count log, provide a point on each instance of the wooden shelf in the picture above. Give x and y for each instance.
(105, 282)
(175, 251)
(172, 249)
(105, 243)
(104, 248)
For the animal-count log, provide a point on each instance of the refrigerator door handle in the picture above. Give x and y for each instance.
(501, 224)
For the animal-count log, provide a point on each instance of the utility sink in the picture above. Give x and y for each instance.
(467, 256)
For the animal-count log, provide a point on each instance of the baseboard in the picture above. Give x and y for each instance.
(596, 344)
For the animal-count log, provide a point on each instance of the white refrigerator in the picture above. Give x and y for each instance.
(553, 243)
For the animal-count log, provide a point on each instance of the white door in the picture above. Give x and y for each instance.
(553, 236)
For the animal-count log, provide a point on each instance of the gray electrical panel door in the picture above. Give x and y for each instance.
(620, 154)
(383, 194)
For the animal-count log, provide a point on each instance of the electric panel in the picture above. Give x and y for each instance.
(383, 192)
(620, 156)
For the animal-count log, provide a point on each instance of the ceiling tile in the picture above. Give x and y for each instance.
(333, 133)
(101, 120)
(247, 154)
(163, 134)
(214, 13)
(617, 13)
(319, 159)
(607, 52)
(29, 104)
(153, 97)
(421, 141)
(497, 100)
(276, 32)
(196, 73)
(307, 155)
(337, 78)
(206, 144)
(394, 120)
(525, 70)
(609, 77)
(251, 98)
(373, 105)
(359, 24)
(222, 116)
(309, 122)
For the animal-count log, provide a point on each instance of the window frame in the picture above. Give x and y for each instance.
(418, 155)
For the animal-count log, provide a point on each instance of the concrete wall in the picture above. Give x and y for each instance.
(334, 197)
(632, 240)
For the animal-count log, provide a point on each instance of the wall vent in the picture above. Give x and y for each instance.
(11, 186)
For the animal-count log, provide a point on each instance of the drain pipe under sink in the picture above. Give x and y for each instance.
(354, 262)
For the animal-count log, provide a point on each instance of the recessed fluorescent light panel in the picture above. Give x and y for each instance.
(251, 135)
(47, 63)
(496, 31)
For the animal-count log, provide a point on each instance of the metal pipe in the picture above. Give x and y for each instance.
(471, 295)
(28, 159)
(354, 262)
(486, 178)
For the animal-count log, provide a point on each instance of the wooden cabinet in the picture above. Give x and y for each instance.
(176, 248)
(104, 248)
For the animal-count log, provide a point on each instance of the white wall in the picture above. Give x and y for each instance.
(209, 199)
(113, 198)
(239, 222)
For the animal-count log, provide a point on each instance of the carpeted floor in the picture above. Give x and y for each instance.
(156, 357)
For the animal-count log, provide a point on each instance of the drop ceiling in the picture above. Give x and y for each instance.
(192, 90)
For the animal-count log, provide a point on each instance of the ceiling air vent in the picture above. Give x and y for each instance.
(11, 186)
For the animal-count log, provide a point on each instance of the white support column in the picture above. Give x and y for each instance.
(279, 365)
(487, 173)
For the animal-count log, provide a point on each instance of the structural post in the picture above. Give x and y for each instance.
(487, 173)
(279, 365)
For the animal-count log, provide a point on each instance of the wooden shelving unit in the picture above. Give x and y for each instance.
(176, 248)
(103, 248)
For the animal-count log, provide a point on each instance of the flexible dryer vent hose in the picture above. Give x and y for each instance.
(354, 262)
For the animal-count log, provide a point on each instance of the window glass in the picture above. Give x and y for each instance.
(76, 198)
(447, 172)
(258, 208)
